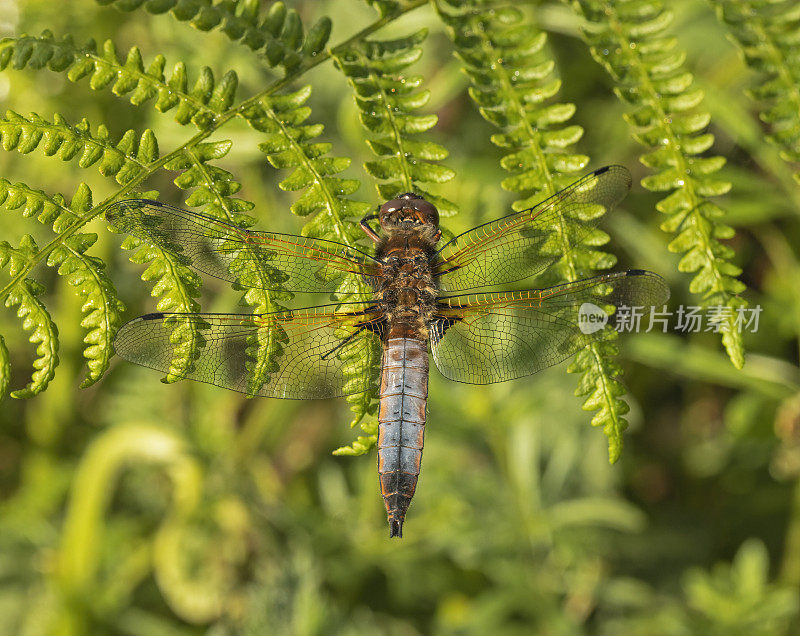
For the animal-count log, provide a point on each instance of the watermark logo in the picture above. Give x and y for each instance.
(591, 318)
(685, 318)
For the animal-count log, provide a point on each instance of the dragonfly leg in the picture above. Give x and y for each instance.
(367, 229)
(370, 327)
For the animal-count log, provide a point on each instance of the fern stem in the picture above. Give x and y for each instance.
(149, 169)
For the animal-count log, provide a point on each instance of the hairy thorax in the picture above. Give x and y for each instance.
(407, 292)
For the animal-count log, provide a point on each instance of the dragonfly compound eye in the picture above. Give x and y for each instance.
(408, 207)
(426, 212)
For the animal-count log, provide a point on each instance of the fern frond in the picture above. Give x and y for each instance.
(290, 145)
(768, 34)
(177, 286)
(125, 160)
(387, 100)
(513, 83)
(213, 188)
(87, 274)
(35, 317)
(49, 210)
(627, 37)
(275, 33)
(210, 106)
(198, 104)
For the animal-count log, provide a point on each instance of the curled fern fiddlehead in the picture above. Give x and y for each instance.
(627, 37)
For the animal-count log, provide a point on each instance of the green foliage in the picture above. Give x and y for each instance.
(628, 38)
(143, 508)
(276, 35)
(738, 598)
(768, 32)
(198, 105)
(85, 273)
(35, 317)
(387, 99)
(125, 161)
(735, 598)
(513, 82)
(332, 215)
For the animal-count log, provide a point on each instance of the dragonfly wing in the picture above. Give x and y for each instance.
(527, 242)
(485, 338)
(319, 352)
(266, 260)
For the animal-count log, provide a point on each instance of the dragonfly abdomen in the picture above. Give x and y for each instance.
(401, 418)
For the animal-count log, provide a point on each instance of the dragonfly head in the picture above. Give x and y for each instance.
(408, 211)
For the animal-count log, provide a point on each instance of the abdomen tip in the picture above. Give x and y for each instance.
(395, 528)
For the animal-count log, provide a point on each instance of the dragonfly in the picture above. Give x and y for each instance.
(412, 307)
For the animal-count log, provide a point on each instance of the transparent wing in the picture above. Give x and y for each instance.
(266, 260)
(485, 338)
(303, 354)
(525, 243)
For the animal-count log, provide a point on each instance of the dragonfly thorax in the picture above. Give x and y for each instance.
(406, 292)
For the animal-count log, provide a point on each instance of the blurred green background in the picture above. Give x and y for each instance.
(134, 507)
